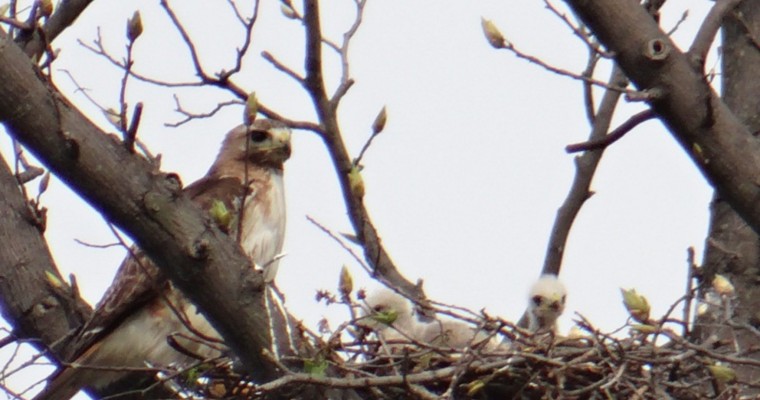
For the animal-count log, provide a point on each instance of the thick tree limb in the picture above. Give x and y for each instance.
(732, 248)
(30, 299)
(204, 263)
(718, 143)
(701, 45)
(66, 12)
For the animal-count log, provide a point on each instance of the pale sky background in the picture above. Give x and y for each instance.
(463, 184)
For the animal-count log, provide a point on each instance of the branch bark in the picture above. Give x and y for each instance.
(732, 248)
(36, 308)
(719, 144)
(585, 168)
(204, 263)
(65, 14)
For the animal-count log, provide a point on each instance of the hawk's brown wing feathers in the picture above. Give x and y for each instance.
(138, 281)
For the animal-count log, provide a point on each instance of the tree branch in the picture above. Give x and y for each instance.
(718, 143)
(709, 29)
(383, 267)
(585, 167)
(33, 295)
(614, 136)
(65, 14)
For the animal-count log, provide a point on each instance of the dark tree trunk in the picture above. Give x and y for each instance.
(732, 248)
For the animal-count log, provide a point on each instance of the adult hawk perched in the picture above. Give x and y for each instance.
(142, 309)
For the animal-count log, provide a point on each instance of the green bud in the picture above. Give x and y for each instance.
(636, 304)
(251, 109)
(380, 120)
(494, 37)
(356, 182)
(345, 282)
(722, 373)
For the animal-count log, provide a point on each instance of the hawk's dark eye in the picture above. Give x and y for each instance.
(258, 136)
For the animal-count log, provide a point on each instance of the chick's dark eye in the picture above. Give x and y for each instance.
(258, 136)
(537, 300)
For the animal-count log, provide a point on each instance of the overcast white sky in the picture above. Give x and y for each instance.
(464, 182)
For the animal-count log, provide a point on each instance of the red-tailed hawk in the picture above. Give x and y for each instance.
(142, 309)
(457, 335)
(546, 302)
(389, 315)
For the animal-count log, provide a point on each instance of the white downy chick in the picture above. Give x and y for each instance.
(453, 334)
(389, 315)
(546, 302)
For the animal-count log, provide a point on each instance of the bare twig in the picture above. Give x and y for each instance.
(123, 95)
(188, 42)
(340, 242)
(615, 135)
(248, 24)
(382, 267)
(690, 275)
(189, 116)
(593, 46)
(585, 169)
(708, 30)
(588, 88)
(131, 133)
(345, 78)
(562, 72)
(282, 67)
(675, 27)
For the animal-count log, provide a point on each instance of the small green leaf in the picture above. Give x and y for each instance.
(220, 214)
(636, 304)
(722, 373)
(385, 317)
(644, 328)
(53, 280)
(316, 367)
(474, 387)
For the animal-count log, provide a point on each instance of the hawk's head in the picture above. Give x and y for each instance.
(385, 307)
(547, 302)
(266, 143)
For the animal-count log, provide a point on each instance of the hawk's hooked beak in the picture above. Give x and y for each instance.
(281, 141)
